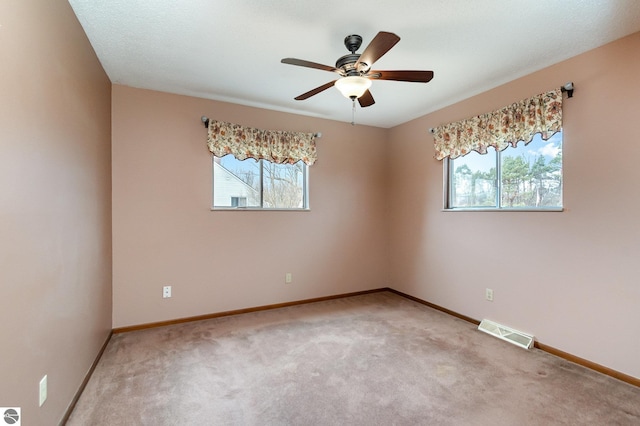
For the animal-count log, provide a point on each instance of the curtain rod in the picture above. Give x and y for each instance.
(568, 87)
(205, 120)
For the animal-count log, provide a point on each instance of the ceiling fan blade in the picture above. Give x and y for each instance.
(315, 91)
(414, 76)
(366, 99)
(381, 43)
(308, 64)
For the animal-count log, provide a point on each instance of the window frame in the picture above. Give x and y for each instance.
(448, 190)
(305, 190)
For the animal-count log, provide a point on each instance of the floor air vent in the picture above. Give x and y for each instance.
(516, 337)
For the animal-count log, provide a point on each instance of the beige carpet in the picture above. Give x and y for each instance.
(376, 359)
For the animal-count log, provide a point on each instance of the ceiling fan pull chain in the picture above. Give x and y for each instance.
(353, 111)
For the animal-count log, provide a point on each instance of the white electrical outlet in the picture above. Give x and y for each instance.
(489, 294)
(166, 291)
(288, 278)
(43, 390)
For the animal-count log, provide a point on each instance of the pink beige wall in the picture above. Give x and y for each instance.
(573, 278)
(55, 206)
(164, 232)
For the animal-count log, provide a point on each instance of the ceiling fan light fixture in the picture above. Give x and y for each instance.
(353, 87)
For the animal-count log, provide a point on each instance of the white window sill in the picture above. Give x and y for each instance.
(551, 209)
(250, 209)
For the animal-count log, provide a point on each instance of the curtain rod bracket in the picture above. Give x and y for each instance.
(568, 87)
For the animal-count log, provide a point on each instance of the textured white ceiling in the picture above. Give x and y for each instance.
(231, 50)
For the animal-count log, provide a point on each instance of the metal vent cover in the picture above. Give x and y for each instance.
(508, 334)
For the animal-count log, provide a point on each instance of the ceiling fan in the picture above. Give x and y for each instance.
(355, 69)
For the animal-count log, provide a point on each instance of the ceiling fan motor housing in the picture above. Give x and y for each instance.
(347, 64)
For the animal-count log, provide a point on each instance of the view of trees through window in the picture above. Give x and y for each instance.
(525, 176)
(259, 184)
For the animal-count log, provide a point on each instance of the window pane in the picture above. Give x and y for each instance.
(236, 183)
(473, 180)
(528, 177)
(283, 185)
(258, 184)
(531, 175)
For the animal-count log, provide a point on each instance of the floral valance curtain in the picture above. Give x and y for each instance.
(517, 122)
(246, 142)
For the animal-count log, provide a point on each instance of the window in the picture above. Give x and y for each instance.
(527, 177)
(238, 201)
(259, 184)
